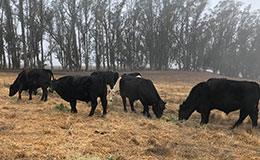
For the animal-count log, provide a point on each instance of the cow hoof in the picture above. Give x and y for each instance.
(233, 127)
(202, 123)
(134, 111)
(90, 115)
(149, 116)
(73, 112)
(125, 110)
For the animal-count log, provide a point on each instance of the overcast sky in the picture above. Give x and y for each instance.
(255, 4)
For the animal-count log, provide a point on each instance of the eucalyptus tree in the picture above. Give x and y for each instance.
(10, 36)
(224, 19)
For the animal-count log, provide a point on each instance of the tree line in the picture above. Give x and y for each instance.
(131, 35)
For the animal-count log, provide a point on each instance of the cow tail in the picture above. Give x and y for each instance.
(51, 74)
(258, 90)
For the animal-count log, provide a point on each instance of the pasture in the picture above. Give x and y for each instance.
(37, 130)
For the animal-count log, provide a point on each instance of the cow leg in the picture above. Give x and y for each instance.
(254, 116)
(35, 91)
(124, 103)
(30, 94)
(73, 106)
(146, 111)
(111, 93)
(44, 94)
(242, 116)
(204, 117)
(104, 105)
(93, 107)
(132, 105)
(19, 95)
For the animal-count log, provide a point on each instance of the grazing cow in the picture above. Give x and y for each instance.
(115, 89)
(141, 89)
(31, 80)
(85, 88)
(225, 95)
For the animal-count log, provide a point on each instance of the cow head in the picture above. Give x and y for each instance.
(53, 85)
(185, 111)
(158, 108)
(13, 89)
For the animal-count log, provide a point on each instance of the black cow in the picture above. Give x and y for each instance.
(135, 88)
(109, 76)
(225, 95)
(31, 80)
(115, 89)
(85, 88)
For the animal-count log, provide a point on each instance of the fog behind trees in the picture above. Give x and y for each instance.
(131, 35)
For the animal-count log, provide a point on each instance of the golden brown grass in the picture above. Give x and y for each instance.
(34, 130)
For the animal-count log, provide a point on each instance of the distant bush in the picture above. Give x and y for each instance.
(61, 107)
(170, 117)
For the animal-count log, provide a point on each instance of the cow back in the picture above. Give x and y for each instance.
(233, 93)
(147, 91)
(199, 95)
(128, 87)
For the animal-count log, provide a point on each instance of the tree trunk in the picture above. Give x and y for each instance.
(21, 16)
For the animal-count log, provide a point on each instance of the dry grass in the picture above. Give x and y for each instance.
(34, 130)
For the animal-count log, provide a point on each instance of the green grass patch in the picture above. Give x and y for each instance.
(61, 107)
(13, 98)
(170, 118)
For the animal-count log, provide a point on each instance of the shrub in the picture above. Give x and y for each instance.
(61, 107)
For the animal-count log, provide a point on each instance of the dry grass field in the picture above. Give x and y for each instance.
(35, 130)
